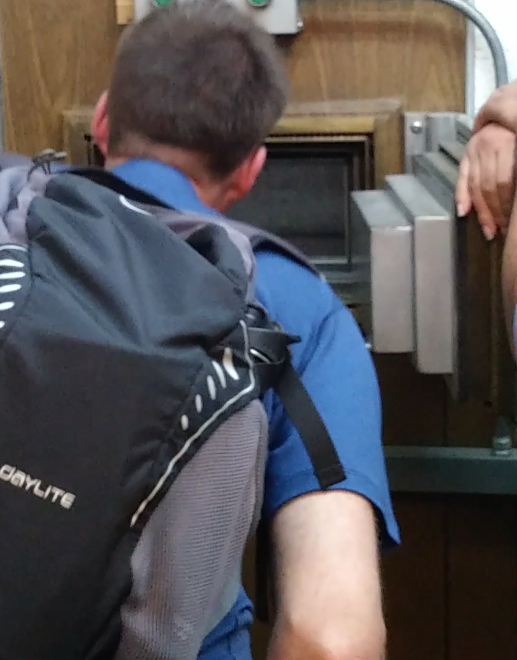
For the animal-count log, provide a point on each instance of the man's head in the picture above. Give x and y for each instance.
(197, 85)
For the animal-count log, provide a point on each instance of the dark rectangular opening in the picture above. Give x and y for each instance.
(303, 192)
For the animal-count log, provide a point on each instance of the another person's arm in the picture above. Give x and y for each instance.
(326, 544)
(501, 109)
(486, 178)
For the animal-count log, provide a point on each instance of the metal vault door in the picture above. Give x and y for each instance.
(451, 589)
(435, 295)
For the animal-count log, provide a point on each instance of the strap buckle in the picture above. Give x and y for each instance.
(45, 159)
(269, 346)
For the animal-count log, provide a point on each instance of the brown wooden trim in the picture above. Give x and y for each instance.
(341, 120)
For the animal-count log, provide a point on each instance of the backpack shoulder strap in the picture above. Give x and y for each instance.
(269, 345)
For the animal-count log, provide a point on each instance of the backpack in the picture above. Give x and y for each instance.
(133, 355)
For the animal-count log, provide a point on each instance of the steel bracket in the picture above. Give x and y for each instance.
(423, 132)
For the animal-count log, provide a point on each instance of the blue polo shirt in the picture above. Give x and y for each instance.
(337, 371)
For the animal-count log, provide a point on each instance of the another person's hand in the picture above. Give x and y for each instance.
(501, 108)
(486, 177)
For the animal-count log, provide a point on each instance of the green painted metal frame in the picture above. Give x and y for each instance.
(451, 470)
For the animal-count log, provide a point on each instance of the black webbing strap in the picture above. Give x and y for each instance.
(269, 346)
(301, 410)
(277, 371)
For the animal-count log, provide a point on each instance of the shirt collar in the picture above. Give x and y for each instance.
(163, 182)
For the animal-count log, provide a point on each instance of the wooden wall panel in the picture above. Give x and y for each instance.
(414, 405)
(349, 49)
(55, 54)
(482, 578)
(415, 581)
(451, 589)
(373, 48)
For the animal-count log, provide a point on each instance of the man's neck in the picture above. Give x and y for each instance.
(210, 192)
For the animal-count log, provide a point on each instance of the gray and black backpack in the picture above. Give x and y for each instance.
(133, 356)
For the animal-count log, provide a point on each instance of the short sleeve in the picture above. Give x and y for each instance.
(338, 372)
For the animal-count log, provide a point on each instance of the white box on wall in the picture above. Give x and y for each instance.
(275, 16)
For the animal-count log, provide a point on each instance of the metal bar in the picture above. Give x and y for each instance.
(415, 129)
(317, 139)
(383, 235)
(492, 39)
(433, 277)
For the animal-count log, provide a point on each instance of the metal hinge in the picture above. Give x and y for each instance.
(424, 131)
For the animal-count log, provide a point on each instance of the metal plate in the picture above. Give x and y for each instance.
(433, 274)
(277, 17)
(385, 241)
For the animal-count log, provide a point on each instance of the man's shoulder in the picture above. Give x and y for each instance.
(292, 291)
(304, 304)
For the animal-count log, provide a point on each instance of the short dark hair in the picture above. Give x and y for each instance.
(199, 75)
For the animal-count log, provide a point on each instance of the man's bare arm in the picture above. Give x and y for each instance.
(327, 577)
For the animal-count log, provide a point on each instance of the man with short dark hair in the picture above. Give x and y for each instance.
(230, 87)
(196, 89)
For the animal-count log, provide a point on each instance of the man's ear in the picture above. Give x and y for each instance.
(242, 180)
(100, 124)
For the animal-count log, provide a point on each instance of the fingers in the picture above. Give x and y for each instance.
(473, 184)
(486, 178)
(463, 199)
(490, 174)
(479, 184)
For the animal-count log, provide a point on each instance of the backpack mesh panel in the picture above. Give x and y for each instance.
(187, 565)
